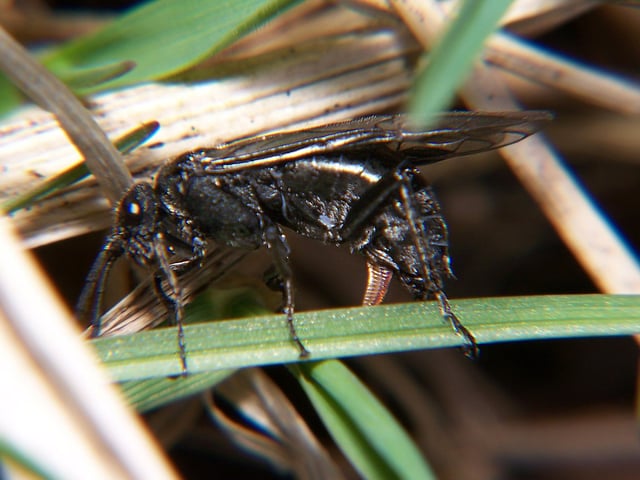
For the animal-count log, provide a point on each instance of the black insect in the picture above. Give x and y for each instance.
(354, 182)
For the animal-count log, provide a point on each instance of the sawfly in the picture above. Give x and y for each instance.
(353, 183)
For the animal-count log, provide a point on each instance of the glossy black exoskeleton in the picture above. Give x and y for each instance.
(354, 182)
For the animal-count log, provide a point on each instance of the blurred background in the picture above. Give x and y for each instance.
(561, 409)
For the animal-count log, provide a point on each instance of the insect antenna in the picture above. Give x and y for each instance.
(90, 301)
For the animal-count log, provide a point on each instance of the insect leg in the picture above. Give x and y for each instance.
(419, 235)
(370, 201)
(171, 298)
(470, 347)
(277, 244)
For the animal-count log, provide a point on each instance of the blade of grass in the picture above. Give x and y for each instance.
(451, 60)
(10, 454)
(366, 330)
(145, 395)
(162, 38)
(95, 77)
(149, 42)
(377, 446)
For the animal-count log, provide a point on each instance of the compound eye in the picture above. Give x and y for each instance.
(137, 206)
(131, 212)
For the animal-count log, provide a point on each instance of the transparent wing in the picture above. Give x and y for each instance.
(455, 134)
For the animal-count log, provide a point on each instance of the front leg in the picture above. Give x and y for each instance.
(170, 296)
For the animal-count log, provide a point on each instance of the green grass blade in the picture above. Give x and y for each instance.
(95, 77)
(452, 58)
(9, 452)
(153, 41)
(162, 38)
(377, 446)
(10, 96)
(366, 330)
(154, 392)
